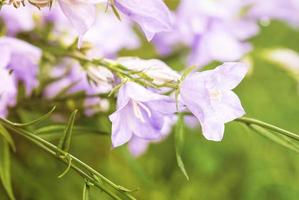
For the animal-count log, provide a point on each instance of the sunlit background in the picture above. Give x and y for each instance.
(244, 165)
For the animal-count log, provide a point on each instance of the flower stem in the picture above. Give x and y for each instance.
(251, 121)
(77, 165)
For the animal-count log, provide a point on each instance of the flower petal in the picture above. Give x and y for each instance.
(82, 15)
(213, 129)
(229, 108)
(4, 56)
(153, 16)
(121, 132)
(230, 74)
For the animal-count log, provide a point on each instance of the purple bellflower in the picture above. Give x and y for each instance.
(140, 113)
(8, 90)
(153, 16)
(81, 14)
(138, 146)
(209, 96)
(17, 20)
(23, 59)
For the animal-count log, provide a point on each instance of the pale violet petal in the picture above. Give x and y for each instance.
(153, 16)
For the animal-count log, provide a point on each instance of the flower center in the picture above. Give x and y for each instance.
(215, 95)
(137, 109)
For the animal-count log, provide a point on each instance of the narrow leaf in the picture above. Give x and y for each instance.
(7, 137)
(279, 139)
(86, 191)
(69, 158)
(115, 11)
(187, 71)
(5, 168)
(179, 141)
(65, 140)
(42, 118)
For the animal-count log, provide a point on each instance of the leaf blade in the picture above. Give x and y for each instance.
(7, 137)
(279, 139)
(5, 168)
(65, 140)
(179, 141)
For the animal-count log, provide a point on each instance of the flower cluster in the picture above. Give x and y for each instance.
(150, 94)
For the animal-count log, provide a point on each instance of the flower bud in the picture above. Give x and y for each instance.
(99, 75)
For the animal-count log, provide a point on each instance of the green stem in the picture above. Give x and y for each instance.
(117, 68)
(250, 121)
(52, 149)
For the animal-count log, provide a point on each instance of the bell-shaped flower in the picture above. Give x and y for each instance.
(72, 79)
(121, 35)
(17, 20)
(140, 113)
(8, 90)
(23, 59)
(81, 14)
(210, 46)
(138, 146)
(209, 96)
(157, 70)
(207, 28)
(153, 15)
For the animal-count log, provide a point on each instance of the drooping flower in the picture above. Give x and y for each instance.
(17, 20)
(71, 79)
(138, 146)
(8, 90)
(23, 59)
(217, 43)
(213, 30)
(209, 96)
(153, 16)
(157, 70)
(81, 14)
(121, 36)
(140, 113)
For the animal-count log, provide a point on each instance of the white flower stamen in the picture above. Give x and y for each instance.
(137, 110)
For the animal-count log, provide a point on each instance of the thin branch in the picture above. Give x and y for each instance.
(76, 165)
(250, 121)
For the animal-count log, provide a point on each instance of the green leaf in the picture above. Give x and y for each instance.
(7, 137)
(69, 158)
(279, 139)
(86, 191)
(55, 130)
(42, 118)
(5, 168)
(187, 71)
(115, 11)
(179, 141)
(65, 140)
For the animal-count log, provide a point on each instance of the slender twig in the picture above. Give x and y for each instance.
(119, 69)
(250, 121)
(76, 164)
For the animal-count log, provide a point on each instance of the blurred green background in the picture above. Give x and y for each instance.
(243, 166)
